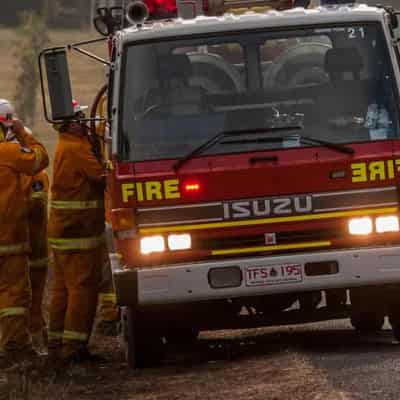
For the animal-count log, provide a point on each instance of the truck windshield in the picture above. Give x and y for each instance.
(335, 81)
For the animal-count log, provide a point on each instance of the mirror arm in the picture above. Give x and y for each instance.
(89, 54)
(78, 49)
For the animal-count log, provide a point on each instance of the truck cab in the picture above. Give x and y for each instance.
(255, 171)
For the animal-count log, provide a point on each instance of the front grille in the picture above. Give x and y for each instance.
(259, 240)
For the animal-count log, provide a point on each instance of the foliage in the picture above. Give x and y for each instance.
(32, 38)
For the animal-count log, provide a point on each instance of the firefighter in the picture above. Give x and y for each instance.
(76, 236)
(20, 153)
(36, 189)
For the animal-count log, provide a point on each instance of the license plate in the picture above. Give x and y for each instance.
(274, 274)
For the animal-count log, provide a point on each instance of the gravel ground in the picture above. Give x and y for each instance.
(322, 361)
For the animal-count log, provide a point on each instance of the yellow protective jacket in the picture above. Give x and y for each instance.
(15, 162)
(77, 196)
(37, 189)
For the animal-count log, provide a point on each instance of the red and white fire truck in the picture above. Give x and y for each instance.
(255, 166)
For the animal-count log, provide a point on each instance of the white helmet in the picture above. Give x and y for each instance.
(6, 109)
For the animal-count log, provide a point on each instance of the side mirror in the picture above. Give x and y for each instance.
(58, 84)
(397, 26)
(394, 20)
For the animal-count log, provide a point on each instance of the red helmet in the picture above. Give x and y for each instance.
(77, 107)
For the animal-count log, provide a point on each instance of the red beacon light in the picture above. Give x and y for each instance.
(161, 9)
(191, 187)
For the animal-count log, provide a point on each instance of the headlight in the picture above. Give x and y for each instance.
(152, 244)
(360, 226)
(388, 223)
(180, 242)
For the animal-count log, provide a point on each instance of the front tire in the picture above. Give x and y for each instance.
(142, 347)
(182, 336)
(395, 323)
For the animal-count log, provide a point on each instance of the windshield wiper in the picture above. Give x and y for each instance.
(334, 146)
(216, 138)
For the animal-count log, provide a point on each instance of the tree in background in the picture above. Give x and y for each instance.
(67, 13)
(32, 38)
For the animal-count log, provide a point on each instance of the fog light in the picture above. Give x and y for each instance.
(179, 242)
(152, 244)
(360, 226)
(389, 223)
(226, 277)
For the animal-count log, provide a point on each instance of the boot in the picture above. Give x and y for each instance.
(83, 356)
(15, 358)
(39, 343)
(107, 328)
(6, 360)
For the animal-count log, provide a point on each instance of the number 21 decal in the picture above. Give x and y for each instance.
(356, 32)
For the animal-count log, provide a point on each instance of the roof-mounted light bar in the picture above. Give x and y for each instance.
(219, 7)
(188, 9)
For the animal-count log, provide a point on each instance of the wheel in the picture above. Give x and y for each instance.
(396, 331)
(395, 323)
(142, 348)
(367, 321)
(182, 336)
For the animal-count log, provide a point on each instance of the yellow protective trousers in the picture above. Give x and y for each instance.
(74, 293)
(15, 298)
(38, 258)
(108, 310)
(38, 276)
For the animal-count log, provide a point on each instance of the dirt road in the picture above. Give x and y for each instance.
(324, 361)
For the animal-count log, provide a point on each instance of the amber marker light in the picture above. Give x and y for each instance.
(122, 219)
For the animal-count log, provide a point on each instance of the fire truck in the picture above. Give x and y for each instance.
(253, 164)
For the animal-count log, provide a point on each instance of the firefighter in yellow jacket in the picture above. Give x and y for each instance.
(76, 236)
(36, 189)
(20, 153)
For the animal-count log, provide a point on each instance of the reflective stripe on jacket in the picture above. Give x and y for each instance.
(76, 205)
(12, 311)
(14, 249)
(108, 297)
(72, 335)
(51, 335)
(39, 263)
(77, 243)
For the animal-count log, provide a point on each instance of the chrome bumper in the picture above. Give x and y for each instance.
(186, 283)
